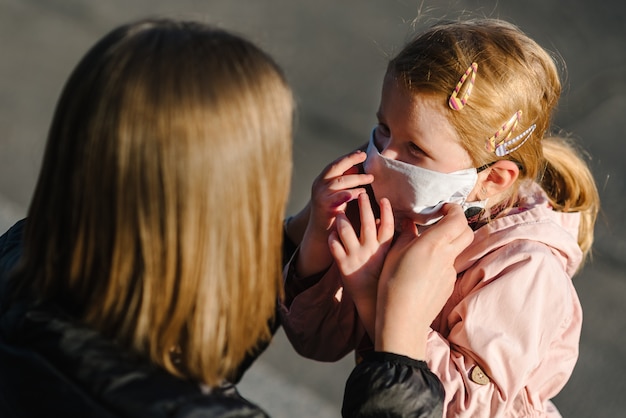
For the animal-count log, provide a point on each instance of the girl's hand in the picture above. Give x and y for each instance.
(336, 185)
(416, 281)
(360, 257)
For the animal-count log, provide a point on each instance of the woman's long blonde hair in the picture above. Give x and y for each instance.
(157, 215)
(514, 73)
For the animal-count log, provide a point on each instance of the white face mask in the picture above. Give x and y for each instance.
(415, 192)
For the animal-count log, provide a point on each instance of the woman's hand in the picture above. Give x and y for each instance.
(417, 279)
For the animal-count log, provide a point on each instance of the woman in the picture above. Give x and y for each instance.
(148, 268)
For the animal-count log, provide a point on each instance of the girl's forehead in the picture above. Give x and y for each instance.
(402, 106)
(422, 119)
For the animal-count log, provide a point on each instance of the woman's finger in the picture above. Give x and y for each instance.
(452, 232)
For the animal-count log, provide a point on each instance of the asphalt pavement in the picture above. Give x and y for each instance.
(334, 54)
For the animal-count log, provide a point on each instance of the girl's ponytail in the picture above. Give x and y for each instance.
(570, 186)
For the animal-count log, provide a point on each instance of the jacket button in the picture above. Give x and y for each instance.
(478, 376)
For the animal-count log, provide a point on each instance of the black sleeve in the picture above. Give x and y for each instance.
(391, 385)
(11, 246)
(10, 252)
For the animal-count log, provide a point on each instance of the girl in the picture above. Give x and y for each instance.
(463, 118)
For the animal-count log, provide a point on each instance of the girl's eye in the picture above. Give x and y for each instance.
(414, 149)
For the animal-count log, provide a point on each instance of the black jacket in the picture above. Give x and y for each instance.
(51, 365)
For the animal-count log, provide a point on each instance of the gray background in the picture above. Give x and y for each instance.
(334, 53)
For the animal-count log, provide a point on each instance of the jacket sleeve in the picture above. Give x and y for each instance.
(512, 340)
(319, 319)
(11, 246)
(10, 252)
(391, 385)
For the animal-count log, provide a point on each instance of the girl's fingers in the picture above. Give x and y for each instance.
(349, 181)
(336, 247)
(386, 227)
(344, 196)
(343, 174)
(343, 164)
(340, 198)
(346, 232)
(368, 221)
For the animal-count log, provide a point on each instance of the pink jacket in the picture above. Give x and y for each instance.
(506, 341)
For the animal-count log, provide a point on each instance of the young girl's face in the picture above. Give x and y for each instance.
(413, 128)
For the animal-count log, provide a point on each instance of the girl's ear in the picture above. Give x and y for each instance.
(499, 177)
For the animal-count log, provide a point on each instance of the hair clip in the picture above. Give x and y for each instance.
(503, 149)
(506, 129)
(455, 103)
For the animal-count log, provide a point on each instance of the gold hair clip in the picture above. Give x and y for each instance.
(502, 146)
(507, 129)
(455, 103)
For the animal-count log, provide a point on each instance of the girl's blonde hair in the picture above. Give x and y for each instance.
(157, 215)
(514, 73)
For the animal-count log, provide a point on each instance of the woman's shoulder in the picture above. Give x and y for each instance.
(10, 245)
(84, 373)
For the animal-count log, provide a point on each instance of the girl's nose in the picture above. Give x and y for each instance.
(386, 145)
(389, 151)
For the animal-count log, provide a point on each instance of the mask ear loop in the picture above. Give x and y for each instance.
(486, 166)
(455, 103)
